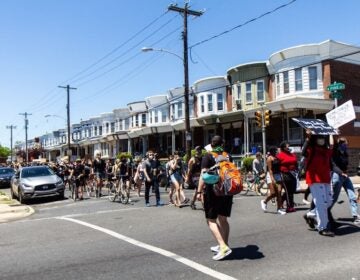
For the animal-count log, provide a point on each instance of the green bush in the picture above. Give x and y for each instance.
(246, 165)
(203, 152)
(124, 154)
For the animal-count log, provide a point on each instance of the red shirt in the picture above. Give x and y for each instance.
(318, 169)
(288, 161)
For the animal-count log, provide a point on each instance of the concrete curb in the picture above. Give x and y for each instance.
(13, 211)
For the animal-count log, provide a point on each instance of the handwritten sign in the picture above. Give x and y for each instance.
(341, 115)
(317, 127)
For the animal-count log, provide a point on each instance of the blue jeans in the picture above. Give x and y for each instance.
(339, 181)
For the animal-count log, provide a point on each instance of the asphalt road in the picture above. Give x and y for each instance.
(98, 239)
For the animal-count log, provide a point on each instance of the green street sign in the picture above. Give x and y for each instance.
(336, 86)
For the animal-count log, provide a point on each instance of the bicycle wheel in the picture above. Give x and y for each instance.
(73, 190)
(112, 193)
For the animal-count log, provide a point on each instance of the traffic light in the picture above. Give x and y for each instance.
(258, 118)
(267, 115)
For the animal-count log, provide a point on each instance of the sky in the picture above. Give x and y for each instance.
(95, 47)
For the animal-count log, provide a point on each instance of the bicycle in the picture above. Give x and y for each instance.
(73, 188)
(119, 191)
(255, 184)
(90, 186)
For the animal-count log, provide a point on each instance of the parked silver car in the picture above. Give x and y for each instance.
(36, 181)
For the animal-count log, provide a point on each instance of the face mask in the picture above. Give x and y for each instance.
(320, 141)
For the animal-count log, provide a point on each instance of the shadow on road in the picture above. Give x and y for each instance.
(250, 252)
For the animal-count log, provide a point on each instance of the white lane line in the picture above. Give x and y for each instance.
(178, 258)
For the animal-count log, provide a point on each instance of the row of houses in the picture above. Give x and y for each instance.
(291, 83)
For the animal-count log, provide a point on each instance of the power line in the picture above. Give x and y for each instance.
(118, 47)
(243, 24)
(121, 55)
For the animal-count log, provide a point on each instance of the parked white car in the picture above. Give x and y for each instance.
(36, 181)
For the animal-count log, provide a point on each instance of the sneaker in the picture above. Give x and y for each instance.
(263, 205)
(290, 210)
(306, 202)
(215, 249)
(281, 211)
(222, 253)
(159, 203)
(327, 233)
(147, 204)
(310, 222)
(356, 220)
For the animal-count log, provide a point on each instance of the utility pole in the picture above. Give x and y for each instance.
(185, 12)
(11, 127)
(68, 88)
(26, 135)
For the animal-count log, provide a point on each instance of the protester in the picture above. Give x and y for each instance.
(341, 159)
(273, 180)
(148, 169)
(217, 208)
(193, 173)
(318, 151)
(288, 168)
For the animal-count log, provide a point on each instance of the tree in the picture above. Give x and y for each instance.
(4, 152)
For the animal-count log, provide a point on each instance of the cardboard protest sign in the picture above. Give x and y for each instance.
(341, 115)
(317, 127)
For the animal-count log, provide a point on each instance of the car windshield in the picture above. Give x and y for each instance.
(36, 172)
(6, 171)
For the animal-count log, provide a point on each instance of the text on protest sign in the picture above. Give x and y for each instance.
(316, 126)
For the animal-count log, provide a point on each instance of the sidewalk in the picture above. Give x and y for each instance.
(12, 210)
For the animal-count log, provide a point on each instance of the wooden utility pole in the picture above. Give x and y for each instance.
(185, 12)
(68, 88)
(11, 127)
(26, 135)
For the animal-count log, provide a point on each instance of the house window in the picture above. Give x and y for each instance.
(202, 104)
(298, 80)
(121, 125)
(239, 91)
(143, 119)
(312, 77)
(286, 82)
(112, 127)
(277, 81)
(180, 110)
(95, 131)
(220, 102)
(156, 116)
(248, 93)
(210, 102)
(163, 115)
(100, 130)
(260, 91)
(107, 128)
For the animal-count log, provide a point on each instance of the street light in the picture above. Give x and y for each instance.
(186, 95)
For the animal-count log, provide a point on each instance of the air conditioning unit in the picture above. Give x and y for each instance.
(238, 104)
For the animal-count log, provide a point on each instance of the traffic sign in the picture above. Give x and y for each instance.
(336, 86)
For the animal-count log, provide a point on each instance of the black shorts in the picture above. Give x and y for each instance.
(216, 205)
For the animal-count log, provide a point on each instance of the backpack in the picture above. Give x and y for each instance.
(230, 182)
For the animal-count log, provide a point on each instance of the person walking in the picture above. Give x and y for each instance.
(288, 169)
(148, 169)
(217, 208)
(341, 159)
(318, 151)
(193, 174)
(273, 180)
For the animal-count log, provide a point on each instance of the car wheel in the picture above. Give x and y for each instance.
(21, 197)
